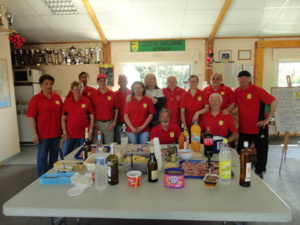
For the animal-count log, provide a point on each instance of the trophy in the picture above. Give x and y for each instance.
(32, 57)
(86, 56)
(73, 52)
(10, 18)
(98, 55)
(92, 51)
(55, 52)
(64, 55)
(16, 60)
(41, 60)
(2, 9)
(49, 54)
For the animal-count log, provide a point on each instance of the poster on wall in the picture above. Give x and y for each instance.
(4, 87)
(108, 70)
(227, 71)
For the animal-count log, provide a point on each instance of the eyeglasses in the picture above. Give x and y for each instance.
(194, 81)
(77, 89)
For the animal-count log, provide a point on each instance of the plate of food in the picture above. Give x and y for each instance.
(198, 168)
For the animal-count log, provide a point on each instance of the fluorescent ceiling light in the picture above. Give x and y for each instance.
(61, 7)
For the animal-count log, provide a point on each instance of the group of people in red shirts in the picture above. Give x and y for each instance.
(148, 112)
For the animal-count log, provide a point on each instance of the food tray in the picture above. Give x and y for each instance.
(77, 165)
(142, 166)
(78, 153)
(56, 178)
(215, 169)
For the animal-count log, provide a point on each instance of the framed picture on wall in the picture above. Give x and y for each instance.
(225, 55)
(244, 54)
(4, 86)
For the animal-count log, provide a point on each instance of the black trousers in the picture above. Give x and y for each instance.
(261, 143)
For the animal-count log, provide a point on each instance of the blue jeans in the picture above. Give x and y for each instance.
(51, 146)
(140, 138)
(71, 144)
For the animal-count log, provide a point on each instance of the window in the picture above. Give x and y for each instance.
(288, 68)
(138, 71)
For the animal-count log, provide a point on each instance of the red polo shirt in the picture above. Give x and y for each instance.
(104, 104)
(47, 113)
(86, 93)
(219, 124)
(225, 92)
(138, 111)
(192, 104)
(77, 116)
(251, 104)
(166, 137)
(121, 97)
(173, 103)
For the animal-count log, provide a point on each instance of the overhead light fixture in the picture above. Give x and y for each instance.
(61, 7)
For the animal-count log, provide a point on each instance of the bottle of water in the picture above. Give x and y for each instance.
(225, 163)
(124, 139)
(100, 166)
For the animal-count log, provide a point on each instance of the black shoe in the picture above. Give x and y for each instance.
(260, 174)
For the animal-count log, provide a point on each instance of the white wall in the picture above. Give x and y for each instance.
(9, 137)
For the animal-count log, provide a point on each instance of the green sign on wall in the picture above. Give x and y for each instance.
(157, 46)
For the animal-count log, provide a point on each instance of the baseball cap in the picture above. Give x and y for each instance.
(244, 73)
(101, 75)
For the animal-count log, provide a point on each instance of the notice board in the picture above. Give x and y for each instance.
(287, 114)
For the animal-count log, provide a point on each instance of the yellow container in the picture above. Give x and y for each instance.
(77, 165)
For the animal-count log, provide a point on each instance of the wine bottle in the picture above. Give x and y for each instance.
(86, 146)
(152, 166)
(182, 138)
(245, 167)
(112, 167)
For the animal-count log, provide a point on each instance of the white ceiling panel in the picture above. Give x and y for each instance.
(68, 22)
(40, 37)
(77, 35)
(114, 20)
(237, 30)
(120, 33)
(204, 4)
(29, 23)
(256, 4)
(160, 32)
(287, 16)
(201, 17)
(196, 31)
(285, 30)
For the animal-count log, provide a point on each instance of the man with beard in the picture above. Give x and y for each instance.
(167, 132)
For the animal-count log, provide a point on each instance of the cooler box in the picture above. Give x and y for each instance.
(218, 142)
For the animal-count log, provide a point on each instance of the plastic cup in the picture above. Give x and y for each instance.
(134, 178)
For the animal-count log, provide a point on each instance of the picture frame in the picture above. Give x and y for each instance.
(4, 85)
(225, 55)
(244, 55)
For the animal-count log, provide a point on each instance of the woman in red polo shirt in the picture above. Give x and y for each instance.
(138, 114)
(77, 114)
(44, 116)
(193, 103)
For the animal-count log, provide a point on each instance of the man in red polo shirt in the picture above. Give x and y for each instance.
(219, 124)
(228, 103)
(167, 132)
(173, 95)
(106, 110)
(121, 95)
(87, 90)
(253, 121)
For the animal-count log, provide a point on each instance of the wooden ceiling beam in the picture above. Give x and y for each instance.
(95, 21)
(219, 19)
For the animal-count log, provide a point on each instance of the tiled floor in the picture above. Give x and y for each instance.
(286, 185)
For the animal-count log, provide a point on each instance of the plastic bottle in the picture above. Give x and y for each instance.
(195, 137)
(157, 152)
(225, 163)
(182, 138)
(124, 138)
(208, 143)
(100, 167)
(187, 136)
(245, 172)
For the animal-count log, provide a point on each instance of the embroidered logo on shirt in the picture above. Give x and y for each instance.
(172, 134)
(145, 105)
(57, 102)
(83, 105)
(221, 122)
(89, 93)
(199, 98)
(222, 93)
(249, 96)
(109, 98)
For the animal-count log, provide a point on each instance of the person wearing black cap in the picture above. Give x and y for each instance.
(253, 121)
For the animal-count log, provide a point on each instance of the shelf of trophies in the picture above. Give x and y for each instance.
(49, 57)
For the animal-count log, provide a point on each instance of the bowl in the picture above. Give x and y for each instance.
(185, 153)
